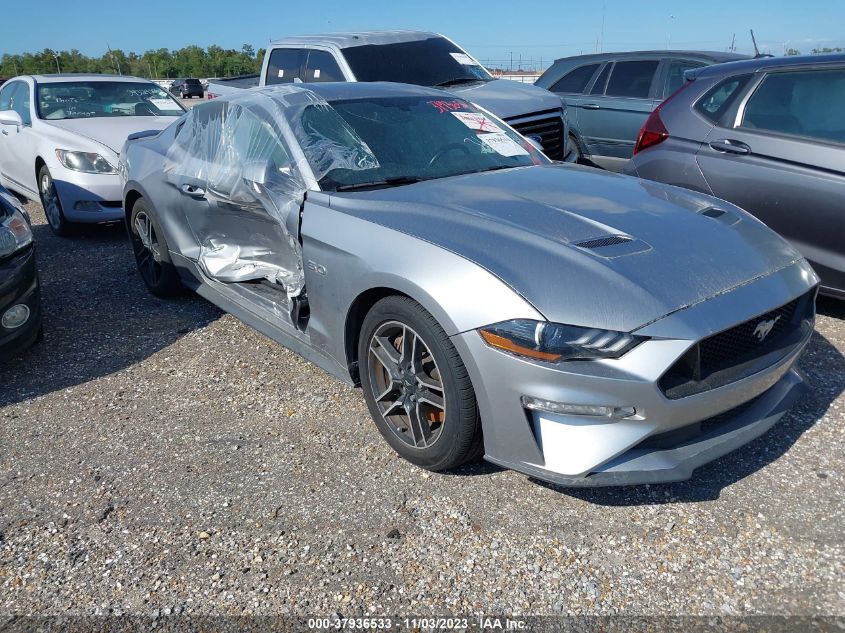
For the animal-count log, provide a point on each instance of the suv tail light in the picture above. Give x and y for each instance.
(653, 132)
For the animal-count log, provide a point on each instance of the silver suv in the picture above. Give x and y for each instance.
(769, 136)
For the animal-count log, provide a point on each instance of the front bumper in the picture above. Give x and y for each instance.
(19, 285)
(89, 197)
(582, 451)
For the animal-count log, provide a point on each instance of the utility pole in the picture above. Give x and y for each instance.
(603, 13)
(114, 60)
(669, 36)
(511, 62)
(58, 68)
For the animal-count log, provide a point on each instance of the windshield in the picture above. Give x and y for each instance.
(91, 99)
(396, 140)
(431, 62)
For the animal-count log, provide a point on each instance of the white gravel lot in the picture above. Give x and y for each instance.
(160, 457)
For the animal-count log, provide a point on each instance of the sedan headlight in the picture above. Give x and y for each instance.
(15, 233)
(555, 342)
(87, 162)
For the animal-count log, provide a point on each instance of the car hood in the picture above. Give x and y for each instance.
(507, 99)
(112, 131)
(544, 232)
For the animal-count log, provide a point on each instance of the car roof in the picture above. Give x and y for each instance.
(343, 90)
(66, 77)
(765, 63)
(357, 38)
(715, 56)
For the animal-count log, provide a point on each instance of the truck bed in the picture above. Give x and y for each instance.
(225, 85)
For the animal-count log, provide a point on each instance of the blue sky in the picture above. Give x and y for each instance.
(491, 30)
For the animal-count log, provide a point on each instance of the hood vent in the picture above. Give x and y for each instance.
(603, 242)
(610, 246)
(726, 217)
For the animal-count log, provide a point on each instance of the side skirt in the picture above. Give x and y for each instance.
(238, 302)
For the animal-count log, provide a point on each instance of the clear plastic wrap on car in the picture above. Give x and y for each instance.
(255, 153)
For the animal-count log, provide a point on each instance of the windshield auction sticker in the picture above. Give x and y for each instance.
(463, 59)
(503, 144)
(477, 121)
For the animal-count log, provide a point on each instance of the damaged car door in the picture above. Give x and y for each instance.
(240, 195)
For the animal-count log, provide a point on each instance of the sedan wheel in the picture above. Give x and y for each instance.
(416, 386)
(151, 254)
(51, 203)
(411, 397)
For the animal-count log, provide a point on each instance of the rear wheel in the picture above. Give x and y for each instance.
(151, 254)
(416, 386)
(52, 205)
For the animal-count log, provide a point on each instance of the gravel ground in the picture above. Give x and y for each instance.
(161, 457)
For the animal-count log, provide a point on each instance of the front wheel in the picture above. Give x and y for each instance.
(578, 156)
(416, 386)
(151, 254)
(52, 205)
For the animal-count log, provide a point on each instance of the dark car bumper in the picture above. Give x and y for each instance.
(19, 285)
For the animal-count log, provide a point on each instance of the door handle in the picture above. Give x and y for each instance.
(727, 146)
(191, 190)
(591, 106)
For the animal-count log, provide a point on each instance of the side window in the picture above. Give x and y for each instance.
(675, 76)
(248, 140)
(601, 82)
(284, 65)
(719, 99)
(322, 66)
(632, 79)
(803, 103)
(21, 102)
(6, 95)
(576, 80)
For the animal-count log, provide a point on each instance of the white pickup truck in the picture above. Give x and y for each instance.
(412, 57)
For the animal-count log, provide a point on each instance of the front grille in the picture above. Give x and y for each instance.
(548, 126)
(690, 432)
(740, 351)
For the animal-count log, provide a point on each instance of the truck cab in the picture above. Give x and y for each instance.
(414, 57)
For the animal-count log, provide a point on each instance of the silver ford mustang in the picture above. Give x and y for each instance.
(583, 327)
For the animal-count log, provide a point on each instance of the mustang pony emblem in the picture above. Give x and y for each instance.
(764, 327)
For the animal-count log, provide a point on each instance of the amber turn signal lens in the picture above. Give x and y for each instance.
(500, 342)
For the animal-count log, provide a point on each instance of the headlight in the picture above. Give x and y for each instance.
(15, 234)
(87, 162)
(554, 342)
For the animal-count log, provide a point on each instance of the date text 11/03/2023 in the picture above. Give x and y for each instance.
(417, 623)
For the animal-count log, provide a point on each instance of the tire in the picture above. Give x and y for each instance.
(52, 204)
(425, 410)
(576, 148)
(151, 253)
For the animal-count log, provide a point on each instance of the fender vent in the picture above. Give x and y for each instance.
(602, 242)
(713, 212)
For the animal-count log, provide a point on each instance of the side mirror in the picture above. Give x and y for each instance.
(10, 117)
(536, 142)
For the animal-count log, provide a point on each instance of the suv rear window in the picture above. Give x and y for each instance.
(193, 82)
(575, 80)
(719, 99)
(632, 79)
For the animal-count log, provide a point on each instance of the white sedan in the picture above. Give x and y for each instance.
(60, 140)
